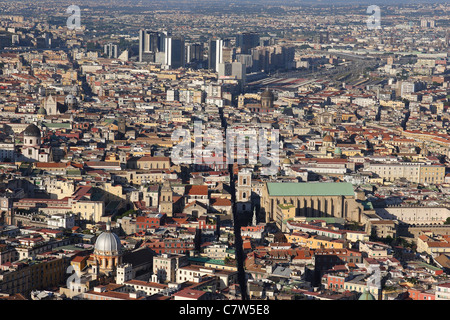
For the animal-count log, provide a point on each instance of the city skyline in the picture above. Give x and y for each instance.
(224, 151)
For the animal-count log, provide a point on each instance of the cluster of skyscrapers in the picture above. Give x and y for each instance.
(231, 58)
(165, 48)
(111, 50)
(162, 47)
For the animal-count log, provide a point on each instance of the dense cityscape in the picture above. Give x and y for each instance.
(193, 150)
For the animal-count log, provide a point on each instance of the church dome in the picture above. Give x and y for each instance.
(108, 243)
(328, 138)
(32, 131)
(42, 111)
(70, 99)
(338, 151)
(268, 94)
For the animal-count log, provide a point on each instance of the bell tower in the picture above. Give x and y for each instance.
(121, 124)
(6, 210)
(244, 191)
(166, 199)
(241, 101)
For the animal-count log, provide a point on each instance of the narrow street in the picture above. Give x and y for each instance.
(237, 227)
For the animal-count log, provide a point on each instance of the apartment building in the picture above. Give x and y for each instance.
(442, 291)
(192, 273)
(166, 265)
(411, 171)
(24, 276)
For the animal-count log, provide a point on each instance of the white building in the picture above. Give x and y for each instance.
(415, 215)
(7, 152)
(165, 266)
(62, 220)
(192, 273)
(442, 291)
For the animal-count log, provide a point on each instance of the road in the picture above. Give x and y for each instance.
(240, 258)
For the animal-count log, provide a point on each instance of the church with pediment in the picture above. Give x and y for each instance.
(56, 105)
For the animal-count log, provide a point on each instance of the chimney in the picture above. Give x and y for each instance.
(134, 295)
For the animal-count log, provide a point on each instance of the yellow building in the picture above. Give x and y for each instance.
(432, 174)
(362, 287)
(167, 76)
(112, 158)
(59, 188)
(89, 210)
(37, 274)
(79, 263)
(283, 214)
(150, 163)
(162, 142)
(113, 192)
(350, 152)
(392, 104)
(383, 228)
(433, 245)
(314, 241)
(139, 177)
(411, 171)
(220, 265)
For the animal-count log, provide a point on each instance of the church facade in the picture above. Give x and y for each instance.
(310, 199)
(31, 149)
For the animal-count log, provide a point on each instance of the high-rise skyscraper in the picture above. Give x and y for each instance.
(246, 41)
(272, 58)
(150, 44)
(144, 45)
(228, 54)
(111, 50)
(194, 52)
(162, 40)
(245, 59)
(427, 23)
(215, 54)
(234, 70)
(174, 52)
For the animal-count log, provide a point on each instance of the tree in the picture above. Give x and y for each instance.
(92, 46)
(389, 239)
(124, 214)
(353, 226)
(373, 235)
(304, 46)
